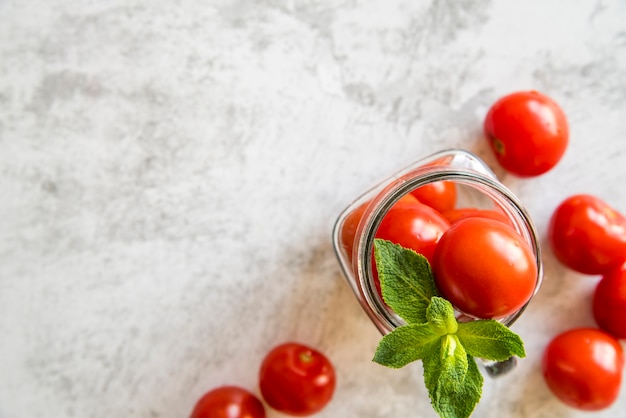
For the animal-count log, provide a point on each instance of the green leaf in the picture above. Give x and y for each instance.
(406, 344)
(433, 334)
(490, 340)
(440, 314)
(452, 378)
(453, 362)
(406, 280)
(460, 402)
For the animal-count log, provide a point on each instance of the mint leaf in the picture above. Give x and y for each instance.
(452, 378)
(440, 315)
(490, 340)
(406, 344)
(460, 402)
(446, 347)
(448, 371)
(406, 280)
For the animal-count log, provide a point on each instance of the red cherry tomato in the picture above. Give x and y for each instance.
(609, 302)
(415, 226)
(296, 379)
(350, 225)
(455, 215)
(439, 195)
(412, 225)
(349, 228)
(583, 368)
(587, 235)
(228, 402)
(527, 131)
(484, 268)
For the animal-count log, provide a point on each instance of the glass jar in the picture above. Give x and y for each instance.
(477, 187)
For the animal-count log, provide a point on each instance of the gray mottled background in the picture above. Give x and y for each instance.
(170, 172)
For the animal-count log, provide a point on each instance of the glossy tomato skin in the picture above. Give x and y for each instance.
(228, 402)
(455, 215)
(439, 195)
(415, 226)
(587, 235)
(609, 302)
(349, 228)
(583, 367)
(351, 223)
(296, 379)
(528, 132)
(484, 268)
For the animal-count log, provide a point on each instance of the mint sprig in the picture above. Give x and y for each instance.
(432, 333)
(406, 280)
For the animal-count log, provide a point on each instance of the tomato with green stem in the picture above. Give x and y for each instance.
(527, 131)
(583, 367)
(228, 402)
(587, 235)
(296, 379)
(484, 268)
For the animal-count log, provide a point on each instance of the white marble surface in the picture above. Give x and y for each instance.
(170, 172)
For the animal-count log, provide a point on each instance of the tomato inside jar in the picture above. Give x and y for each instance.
(484, 268)
(475, 197)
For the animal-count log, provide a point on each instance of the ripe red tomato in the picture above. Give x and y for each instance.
(583, 368)
(587, 235)
(412, 225)
(527, 131)
(455, 215)
(439, 195)
(415, 226)
(228, 402)
(609, 302)
(296, 379)
(349, 228)
(350, 225)
(484, 268)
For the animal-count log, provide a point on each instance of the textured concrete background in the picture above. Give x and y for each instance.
(170, 172)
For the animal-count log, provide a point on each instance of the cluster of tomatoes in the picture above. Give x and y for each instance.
(486, 270)
(479, 261)
(293, 379)
(583, 367)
